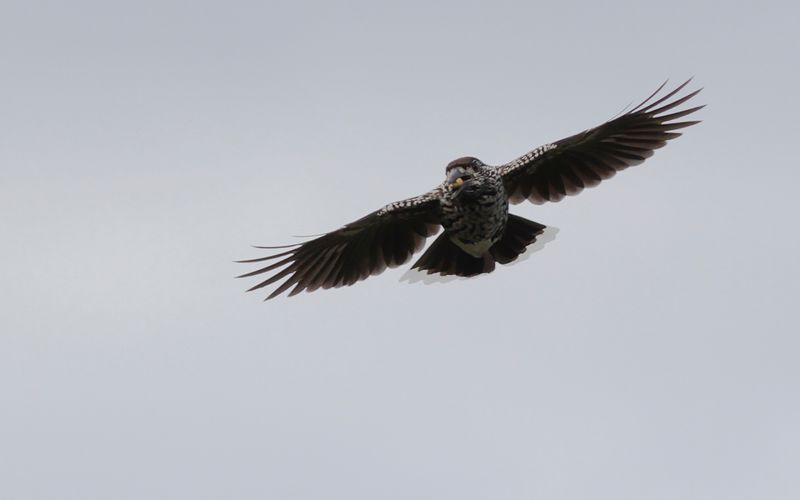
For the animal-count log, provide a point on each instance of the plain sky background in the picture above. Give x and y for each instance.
(650, 351)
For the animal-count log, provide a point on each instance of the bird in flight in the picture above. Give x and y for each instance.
(472, 206)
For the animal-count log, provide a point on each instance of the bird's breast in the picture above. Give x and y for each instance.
(475, 223)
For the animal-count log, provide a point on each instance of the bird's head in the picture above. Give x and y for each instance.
(460, 172)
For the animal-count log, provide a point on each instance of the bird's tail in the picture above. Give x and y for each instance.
(446, 258)
(518, 235)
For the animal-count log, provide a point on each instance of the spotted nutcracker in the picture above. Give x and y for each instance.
(472, 206)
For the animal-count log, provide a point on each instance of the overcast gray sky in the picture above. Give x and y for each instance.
(649, 351)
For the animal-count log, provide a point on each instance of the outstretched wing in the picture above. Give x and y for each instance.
(562, 168)
(386, 237)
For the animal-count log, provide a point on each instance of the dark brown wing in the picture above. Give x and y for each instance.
(386, 237)
(562, 168)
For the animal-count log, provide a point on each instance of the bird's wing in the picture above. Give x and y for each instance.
(565, 167)
(385, 237)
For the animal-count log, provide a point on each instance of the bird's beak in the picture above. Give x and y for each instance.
(459, 185)
(454, 179)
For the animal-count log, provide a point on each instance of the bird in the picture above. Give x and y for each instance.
(471, 206)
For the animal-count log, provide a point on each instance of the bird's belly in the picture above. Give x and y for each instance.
(476, 227)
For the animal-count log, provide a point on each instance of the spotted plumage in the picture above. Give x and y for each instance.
(471, 205)
(474, 214)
